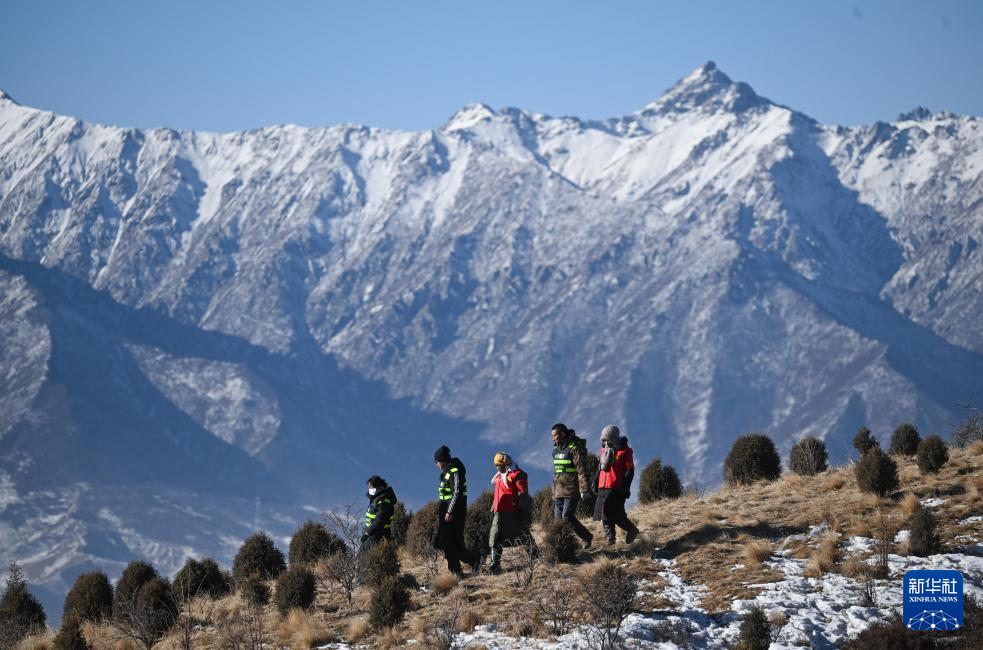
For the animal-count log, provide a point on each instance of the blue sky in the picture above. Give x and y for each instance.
(227, 66)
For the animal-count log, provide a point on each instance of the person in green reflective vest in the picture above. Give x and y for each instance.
(379, 515)
(571, 478)
(452, 498)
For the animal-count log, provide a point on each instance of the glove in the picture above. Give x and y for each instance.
(586, 496)
(627, 493)
(365, 536)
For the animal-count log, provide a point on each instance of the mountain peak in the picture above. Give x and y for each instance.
(706, 88)
(469, 116)
(6, 99)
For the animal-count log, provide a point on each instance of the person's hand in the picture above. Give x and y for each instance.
(627, 494)
(365, 536)
(448, 517)
(585, 496)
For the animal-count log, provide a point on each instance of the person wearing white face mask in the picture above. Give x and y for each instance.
(379, 515)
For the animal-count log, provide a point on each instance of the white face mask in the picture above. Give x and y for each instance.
(372, 491)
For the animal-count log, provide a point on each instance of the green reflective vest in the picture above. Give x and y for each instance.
(563, 459)
(445, 489)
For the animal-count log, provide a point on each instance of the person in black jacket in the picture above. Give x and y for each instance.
(379, 515)
(452, 497)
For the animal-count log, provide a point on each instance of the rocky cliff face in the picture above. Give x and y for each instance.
(285, 311)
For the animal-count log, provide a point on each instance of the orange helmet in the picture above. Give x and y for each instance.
(502, 459)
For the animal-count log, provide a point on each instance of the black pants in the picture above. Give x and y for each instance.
(372, 540)
(450, 538)
(613, 512)
(566, 509)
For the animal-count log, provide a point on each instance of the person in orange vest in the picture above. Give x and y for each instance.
(615, 473)
(511, 505)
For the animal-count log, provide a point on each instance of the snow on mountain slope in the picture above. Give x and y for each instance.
(712, 264)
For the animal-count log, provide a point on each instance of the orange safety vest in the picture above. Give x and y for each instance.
(507, 491)
(613, 477)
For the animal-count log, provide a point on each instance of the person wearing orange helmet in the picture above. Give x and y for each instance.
(511, 505)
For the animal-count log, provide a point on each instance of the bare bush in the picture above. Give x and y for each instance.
(555, 605)
(244, 630)
(610, 594)
(346, 567)
(526, 563)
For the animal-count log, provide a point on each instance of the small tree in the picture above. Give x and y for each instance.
(147, 617)
(135, 575)
(420, 538)
(904, 440)
(201, 578)
(864, 441)
(90, 598)
(970, 430)
(381, 561)
(70, 634)
(312, 542)
(389, 604)
(924, 540)
(400, 523)
(560, 544)
(477, 526)
(258, 554)
(610, 594)
(808, 457)
(752, 457)
(20, 612)
(346, 568)
(755, 631)
(659, 481)
(254, 590)
(932, 455)
(295, 589)
(876, 472)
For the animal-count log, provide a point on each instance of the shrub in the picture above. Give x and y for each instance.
(876, 472)
(560, 543)
(381, 561)
(753, 457)
(610, 595)
(542, 506)
(421, 531)
(659, 481)
(890, 636)
(156, 610)
(70, 634)
(932, 455)
(312, 542)
(135, 575)
(389, 603)
(201, 578)
(924, 539)
(400, 523)
(20, 612)
(295, 589)
(478, 525)
(864, 441)
(970, 430)
(90, 598)
(808, 457)
(755, 631)
(258, 554)
(905, 439)
(254, 590)
(585, 509)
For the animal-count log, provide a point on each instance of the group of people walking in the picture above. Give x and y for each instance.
(575, 479)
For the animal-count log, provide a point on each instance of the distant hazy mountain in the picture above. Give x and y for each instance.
(205, 332)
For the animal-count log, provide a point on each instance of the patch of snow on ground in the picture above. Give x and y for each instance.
(933, 502)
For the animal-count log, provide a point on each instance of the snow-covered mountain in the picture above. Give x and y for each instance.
(278, 313)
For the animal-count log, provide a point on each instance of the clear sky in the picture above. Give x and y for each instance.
(226, 66)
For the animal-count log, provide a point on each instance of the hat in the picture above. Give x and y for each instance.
(610, 433)
(501, 458)
(442, 455)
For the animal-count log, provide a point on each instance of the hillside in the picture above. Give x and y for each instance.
(247, 325)
(802, 548)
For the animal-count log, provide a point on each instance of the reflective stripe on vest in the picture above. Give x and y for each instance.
(445, 492)
(370, 514)
(563, 464)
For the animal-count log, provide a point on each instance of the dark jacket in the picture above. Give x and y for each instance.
(452, 488)
(379, 515)
(571, 468)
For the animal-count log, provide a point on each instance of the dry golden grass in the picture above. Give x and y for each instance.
(42, 641)
(300, 631)
(910, 504)
(469, 619)
(445, 583)
(757, 551)
(976, 449)
(358, 629)
(392, 637)
(834, 482)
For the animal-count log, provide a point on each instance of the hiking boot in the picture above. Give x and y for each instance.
(588, 541)
(631, 535)
(611, 541)
(495, 569)
(476, 564)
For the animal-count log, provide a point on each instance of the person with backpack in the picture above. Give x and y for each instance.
(615, 473)
(452, 511)
(571, 478)
(379, 515)
(511, 505)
